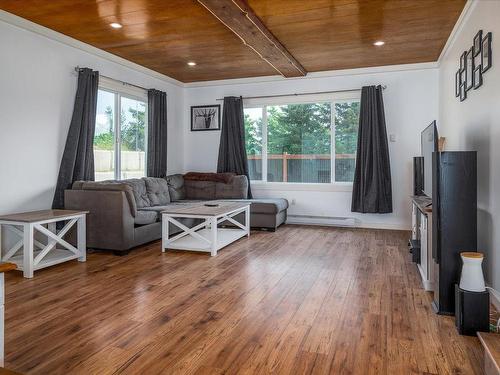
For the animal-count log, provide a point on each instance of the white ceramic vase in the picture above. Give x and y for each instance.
(472, 278)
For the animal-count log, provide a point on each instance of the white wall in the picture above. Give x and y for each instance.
(411, 103)
(37, 91)
(475, 125)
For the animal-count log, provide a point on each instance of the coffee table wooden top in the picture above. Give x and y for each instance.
(200, 209)
(34, 216)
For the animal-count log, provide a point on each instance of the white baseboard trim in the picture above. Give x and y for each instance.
(388, 226)
(342, 222)
(321, 220)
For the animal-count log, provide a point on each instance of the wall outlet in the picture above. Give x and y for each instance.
(293, 202)
(392, 137)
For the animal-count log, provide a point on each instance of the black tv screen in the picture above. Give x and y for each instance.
(429, 144)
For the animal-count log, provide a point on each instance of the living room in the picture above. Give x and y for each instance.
(248, 149)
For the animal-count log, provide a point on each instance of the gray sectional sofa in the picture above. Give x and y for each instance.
(124, 214)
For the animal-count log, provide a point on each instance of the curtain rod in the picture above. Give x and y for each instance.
(77, 69)
(300, 94)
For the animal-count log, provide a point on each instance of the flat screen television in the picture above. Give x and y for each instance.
(429, 144)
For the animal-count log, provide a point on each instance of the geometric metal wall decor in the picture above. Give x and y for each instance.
(473, 64)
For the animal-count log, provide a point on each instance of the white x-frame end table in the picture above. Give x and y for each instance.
(35, 254)
(207, 236)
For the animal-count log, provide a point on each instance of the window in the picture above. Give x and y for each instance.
(309, 142)
(120, 140)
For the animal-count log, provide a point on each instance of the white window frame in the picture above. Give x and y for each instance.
(340, 97)
(119, 90)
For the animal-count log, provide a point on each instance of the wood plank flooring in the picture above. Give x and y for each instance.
(302, 300)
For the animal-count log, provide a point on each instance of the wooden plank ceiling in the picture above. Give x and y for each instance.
(164, 35)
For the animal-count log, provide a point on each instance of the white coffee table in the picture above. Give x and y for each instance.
(207, 236)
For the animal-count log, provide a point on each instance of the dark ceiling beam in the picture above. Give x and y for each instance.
(241, 20)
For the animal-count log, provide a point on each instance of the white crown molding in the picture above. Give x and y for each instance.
(313, 75)
(64, 39)
(459, 25)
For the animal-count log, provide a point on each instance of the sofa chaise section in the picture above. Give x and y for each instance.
(266, 213)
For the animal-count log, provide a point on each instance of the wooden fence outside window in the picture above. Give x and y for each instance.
(309, 168)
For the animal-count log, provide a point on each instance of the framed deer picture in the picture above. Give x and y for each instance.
(205, 117)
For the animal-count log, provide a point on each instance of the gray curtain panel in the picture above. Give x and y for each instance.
(157, 134)
(372, 192)
(232, 151)
(78, 158)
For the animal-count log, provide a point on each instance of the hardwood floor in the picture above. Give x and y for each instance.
(302, 300)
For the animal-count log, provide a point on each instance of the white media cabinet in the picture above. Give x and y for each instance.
(421, 239)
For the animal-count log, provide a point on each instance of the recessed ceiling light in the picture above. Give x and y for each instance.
(379, 43)
(191, 63)
(115, 25)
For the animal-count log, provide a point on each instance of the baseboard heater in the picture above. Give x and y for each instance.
(321, 220)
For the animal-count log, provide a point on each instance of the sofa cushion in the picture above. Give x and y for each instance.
(159, 209)
(138, 186)
(145, 217)
(157, 190)
(176, 187)
(156, 210)
(236, 189)
(266, 205)
(200, 189)
(109, 185)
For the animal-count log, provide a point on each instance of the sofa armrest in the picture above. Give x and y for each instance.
(110, 224)
(109, 186)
